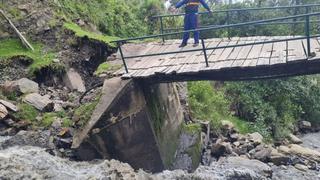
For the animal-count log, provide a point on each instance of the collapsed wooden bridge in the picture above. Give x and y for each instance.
(233, 58)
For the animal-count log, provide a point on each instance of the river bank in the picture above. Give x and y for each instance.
(29, 162)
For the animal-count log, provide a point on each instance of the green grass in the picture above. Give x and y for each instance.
(242, 126)
(66, 122)
(48, 119)
(27, 113)
(192, 128)
(91, 35)
(195, 150)
(84, 112)
(10, 48)
(105, 67)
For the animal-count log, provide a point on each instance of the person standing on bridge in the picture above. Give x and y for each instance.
(191, 19)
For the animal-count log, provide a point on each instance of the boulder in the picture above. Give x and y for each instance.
(9, 105)
(236, 144)
(278, 158)
(227, 127)
(256, 138)
(230, 165)
(220, 148)
(21, 86)
(234, 137)
(8, 132)
(294, 139)
(22, 124)
(301, 167)
(284, 149)
(42, 103)
(305, 125)
(261, 153)
(29, 138)
(9, 122)
(3, 112)
(73, 81)
(304, 152)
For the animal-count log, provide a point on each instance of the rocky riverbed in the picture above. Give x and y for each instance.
(20, 160)
(311, 140)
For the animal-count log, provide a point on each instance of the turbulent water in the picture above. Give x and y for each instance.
(3, 138)
(26, 162)
(34, 163)
(311, 140)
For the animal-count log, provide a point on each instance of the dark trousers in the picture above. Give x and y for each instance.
(190, 23)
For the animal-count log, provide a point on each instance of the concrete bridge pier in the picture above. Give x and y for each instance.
(137, 123)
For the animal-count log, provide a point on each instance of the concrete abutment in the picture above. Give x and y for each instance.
(134, 122)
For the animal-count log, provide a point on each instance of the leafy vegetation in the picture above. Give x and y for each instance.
(270, 107)
(105, 67)
(210, 104)
(10, 48)
(275, 106)
(114, 17)
(27, 113)
(49, 118)
(84, 112)
(79, 32)
(195, 150)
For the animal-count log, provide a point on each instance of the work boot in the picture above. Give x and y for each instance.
(182, 45)
(195, 44)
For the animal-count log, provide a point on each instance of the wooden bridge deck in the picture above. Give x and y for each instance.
(239, 63)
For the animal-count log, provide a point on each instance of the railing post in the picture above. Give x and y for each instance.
(228, 22)
(122, 57)
(307, 31)
(161, 29)
(204, 52)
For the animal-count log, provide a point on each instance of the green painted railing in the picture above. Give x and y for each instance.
(228, 13)
(307, 36)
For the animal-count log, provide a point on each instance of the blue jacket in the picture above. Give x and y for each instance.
(192, 6)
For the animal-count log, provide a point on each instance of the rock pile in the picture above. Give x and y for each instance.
(251, 146)
(58, 102)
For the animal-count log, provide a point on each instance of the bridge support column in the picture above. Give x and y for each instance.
(135, 123)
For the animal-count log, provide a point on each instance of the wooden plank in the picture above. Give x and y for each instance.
(296, 51)
(172, 69)
(167, 59)
(253, 56)
(279, 54)
(150, 72)
(131, 62)
(217, 52)
(199, 57)
(147, 62)
(182, 57)
(315, 47)
(196, 57)
(227, 51)
(223, 61)
(141, 61)
(243, 54)
(213, 44)
(265, 55)
(233, 55)
(192, 68)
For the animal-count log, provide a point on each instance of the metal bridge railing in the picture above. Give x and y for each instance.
(307, 36)
(228, 13)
